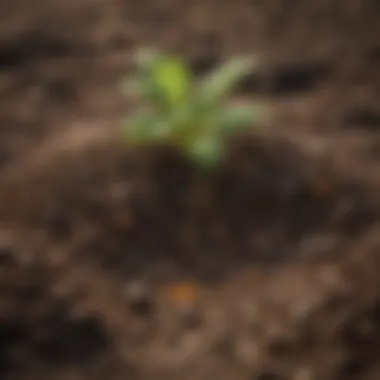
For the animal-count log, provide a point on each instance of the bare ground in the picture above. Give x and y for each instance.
(119, 264)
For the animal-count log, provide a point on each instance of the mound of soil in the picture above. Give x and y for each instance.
(132, 264)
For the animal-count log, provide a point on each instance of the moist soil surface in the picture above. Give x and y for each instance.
(124, 264)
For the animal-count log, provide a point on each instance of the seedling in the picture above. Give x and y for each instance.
(175, 110)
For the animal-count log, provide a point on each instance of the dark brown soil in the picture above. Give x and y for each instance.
(117, 264)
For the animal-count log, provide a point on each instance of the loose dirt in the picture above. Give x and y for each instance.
(132, 265)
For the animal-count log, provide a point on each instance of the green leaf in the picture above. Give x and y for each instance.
(145, 128)
(206, 151)
(173, 79)
(141, 85)
(236, 118)
(162, 79)
(222, 81)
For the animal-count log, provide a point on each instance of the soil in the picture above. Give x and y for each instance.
(125, 264)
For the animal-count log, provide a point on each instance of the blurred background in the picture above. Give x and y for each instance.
(275, 279)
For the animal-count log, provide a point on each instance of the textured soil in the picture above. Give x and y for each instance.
(118, 264)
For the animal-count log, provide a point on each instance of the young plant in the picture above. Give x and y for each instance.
(191, 117)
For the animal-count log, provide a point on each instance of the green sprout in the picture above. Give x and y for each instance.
(176, 111)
